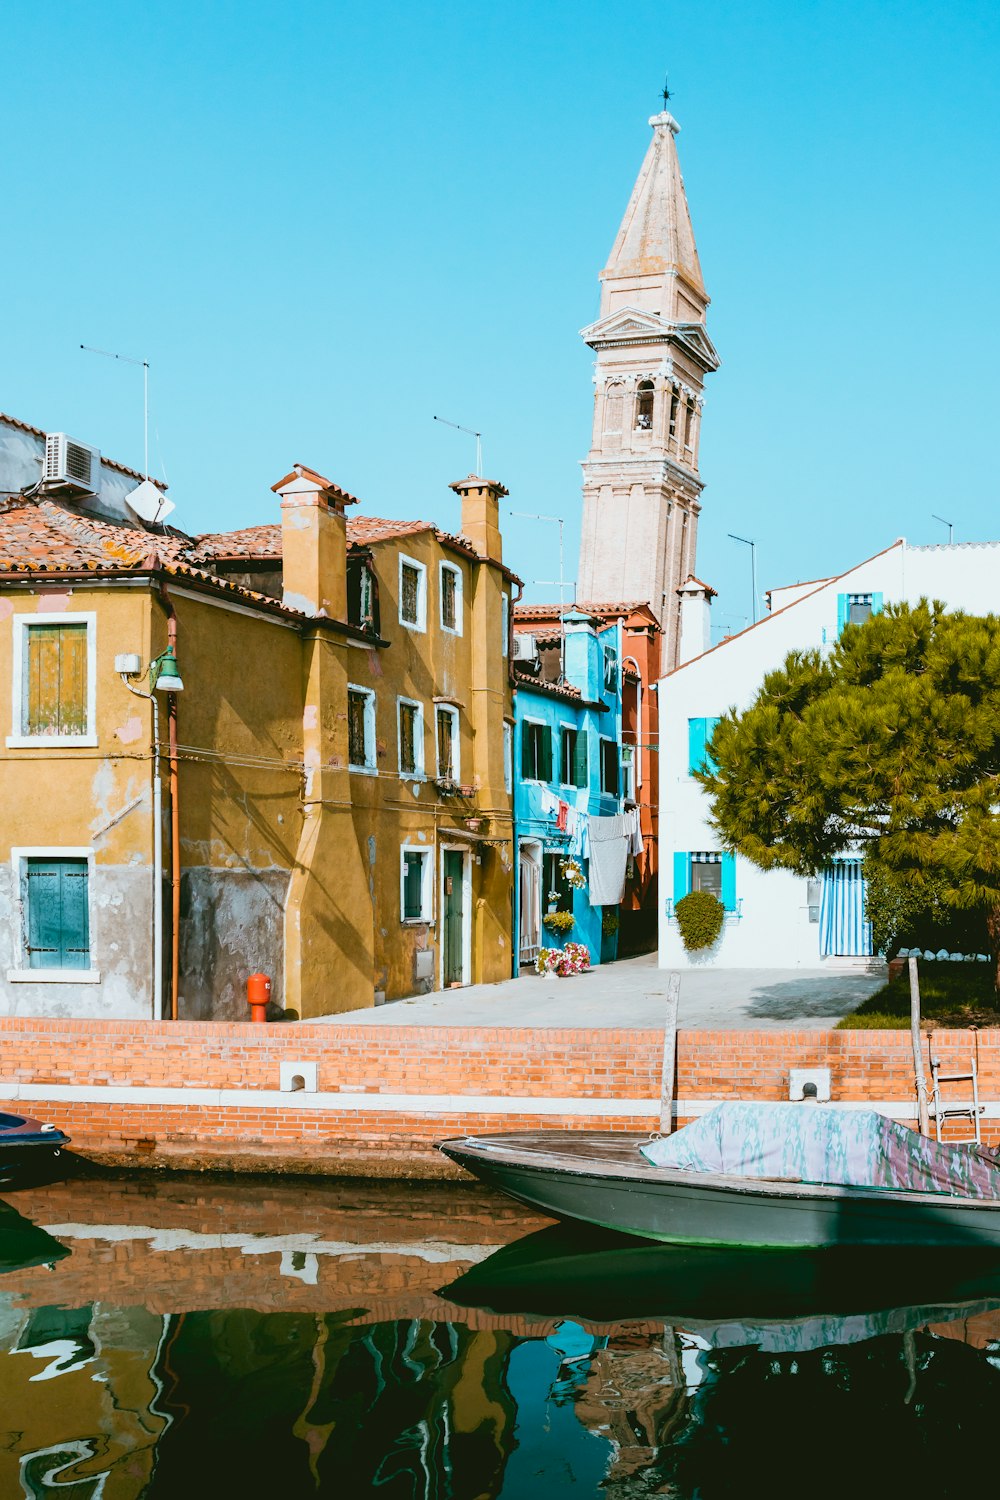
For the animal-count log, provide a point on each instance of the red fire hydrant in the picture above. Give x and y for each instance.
(258, 995)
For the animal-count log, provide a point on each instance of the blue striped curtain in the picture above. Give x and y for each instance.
(843, 931)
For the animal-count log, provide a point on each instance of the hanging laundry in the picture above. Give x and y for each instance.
(635, 832)
(562, 816)
(548, 801)
(609, 841)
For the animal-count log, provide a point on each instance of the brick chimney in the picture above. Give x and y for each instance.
(481, 514)
(313, 543)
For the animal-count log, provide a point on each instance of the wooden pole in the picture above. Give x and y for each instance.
(923, 1113)
(669, 1056)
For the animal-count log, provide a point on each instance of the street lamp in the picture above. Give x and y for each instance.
(164, 674)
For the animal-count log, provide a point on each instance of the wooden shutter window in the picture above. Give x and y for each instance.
(580, 759)
(412, 886)
(449, 614)
(356, 748)
(409, 594)
(407, 738)
(57, 919)
(55, 680)
(445, 739)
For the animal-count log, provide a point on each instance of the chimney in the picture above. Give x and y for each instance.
(481, 514)
(313, 543)
(696, 618)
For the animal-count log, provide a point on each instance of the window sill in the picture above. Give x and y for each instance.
(363, 770)
(53, 976)
(452, 629)
(413, 625)
(415, 921)
(49, 741)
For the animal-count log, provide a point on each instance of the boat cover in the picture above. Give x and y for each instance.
(810, 1143)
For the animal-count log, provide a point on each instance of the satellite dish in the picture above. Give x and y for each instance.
(149, 503)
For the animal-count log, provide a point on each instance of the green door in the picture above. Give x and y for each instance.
(453, 871)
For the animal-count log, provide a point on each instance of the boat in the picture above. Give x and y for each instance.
(789, 1176)
(24, 1244)
(27, 1146)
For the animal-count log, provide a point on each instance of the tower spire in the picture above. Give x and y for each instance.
(641, 486)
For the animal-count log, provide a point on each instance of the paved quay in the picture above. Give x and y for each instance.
(630, 994)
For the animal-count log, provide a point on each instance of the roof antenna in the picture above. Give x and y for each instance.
(128, 360)
(472, 433)
(666, 95)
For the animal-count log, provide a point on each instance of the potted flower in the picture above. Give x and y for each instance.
(574, 959)
(572, 872)
(558, 921)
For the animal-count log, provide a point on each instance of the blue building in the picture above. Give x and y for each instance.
(567, 772)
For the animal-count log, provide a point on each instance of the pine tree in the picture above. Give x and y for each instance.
(890, 744)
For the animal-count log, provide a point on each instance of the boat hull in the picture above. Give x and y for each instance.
(685, 1208)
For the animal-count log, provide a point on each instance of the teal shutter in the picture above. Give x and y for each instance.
(681, 867)
(729, 882)
(580, 759)
(709, 763)
(877, 601)
(697, 731)
(58, 926)
(843, 612)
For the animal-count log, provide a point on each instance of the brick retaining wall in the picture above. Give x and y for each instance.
(203, 1093)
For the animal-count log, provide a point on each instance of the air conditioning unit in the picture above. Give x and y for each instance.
(68, 462)
(525, 646)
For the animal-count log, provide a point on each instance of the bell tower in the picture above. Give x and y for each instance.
(641, 486)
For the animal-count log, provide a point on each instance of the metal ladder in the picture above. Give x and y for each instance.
(950, 1109)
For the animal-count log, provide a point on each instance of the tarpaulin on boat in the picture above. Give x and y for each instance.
(852, 1147)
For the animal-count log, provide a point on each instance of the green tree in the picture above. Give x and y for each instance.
(889, 742)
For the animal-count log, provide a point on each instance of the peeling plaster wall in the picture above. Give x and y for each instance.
(232, 925)
(121, 912)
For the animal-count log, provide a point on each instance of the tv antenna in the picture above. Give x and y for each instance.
(128, 360)
(949, 524)
(747, 542)
(472, 433)
(560, 583)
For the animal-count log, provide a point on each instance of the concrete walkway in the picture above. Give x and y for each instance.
(631, 993)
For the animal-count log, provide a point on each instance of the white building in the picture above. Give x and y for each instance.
(775, 919)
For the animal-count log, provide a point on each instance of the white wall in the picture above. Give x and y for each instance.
(773, 929)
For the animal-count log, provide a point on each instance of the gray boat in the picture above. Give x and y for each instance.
(951, 1196)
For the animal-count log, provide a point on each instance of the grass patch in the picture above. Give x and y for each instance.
(951, 995)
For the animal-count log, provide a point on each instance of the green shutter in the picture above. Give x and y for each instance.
(697, 733)
(729, 882)
(681, 868)
(527, 768)
(580, 777)
(58, 926)
(412, 882)
(843, 612)
(545, 755)
(877, 603)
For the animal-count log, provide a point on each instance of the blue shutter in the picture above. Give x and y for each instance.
(843, 612)
(681, 867)
(58, 926)
(709, 763)
(729, 881)
(877, 600)
(697, 729)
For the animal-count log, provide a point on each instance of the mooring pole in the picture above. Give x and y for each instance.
(669, 1056)
(923, 1113)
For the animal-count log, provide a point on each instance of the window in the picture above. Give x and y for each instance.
(536, 751)
(700, 733)
(708, 871)
(54, 680)
(573, 758)
(451, 599)
(415, 884)
(688, 421)
(674, 404)
(610, 669)
(644, 406)
(508, 757)
(558, 892)
(855, 609)
(55, 899)
(361, 729)
(446, 725)
(628, 772)
(411, 737)
(412, 594)
(504, 622)
(362, 595)
(609, 767)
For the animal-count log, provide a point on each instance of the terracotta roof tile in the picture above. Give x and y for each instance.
(584, 606)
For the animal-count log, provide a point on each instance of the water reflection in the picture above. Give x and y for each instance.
(176, 1337)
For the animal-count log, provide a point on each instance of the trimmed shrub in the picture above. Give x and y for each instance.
(699, 916)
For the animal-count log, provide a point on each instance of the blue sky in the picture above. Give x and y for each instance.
(323, 224)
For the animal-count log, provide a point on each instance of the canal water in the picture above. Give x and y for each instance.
(169, 1336)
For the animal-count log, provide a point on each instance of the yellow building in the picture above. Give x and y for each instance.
(332, 776)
